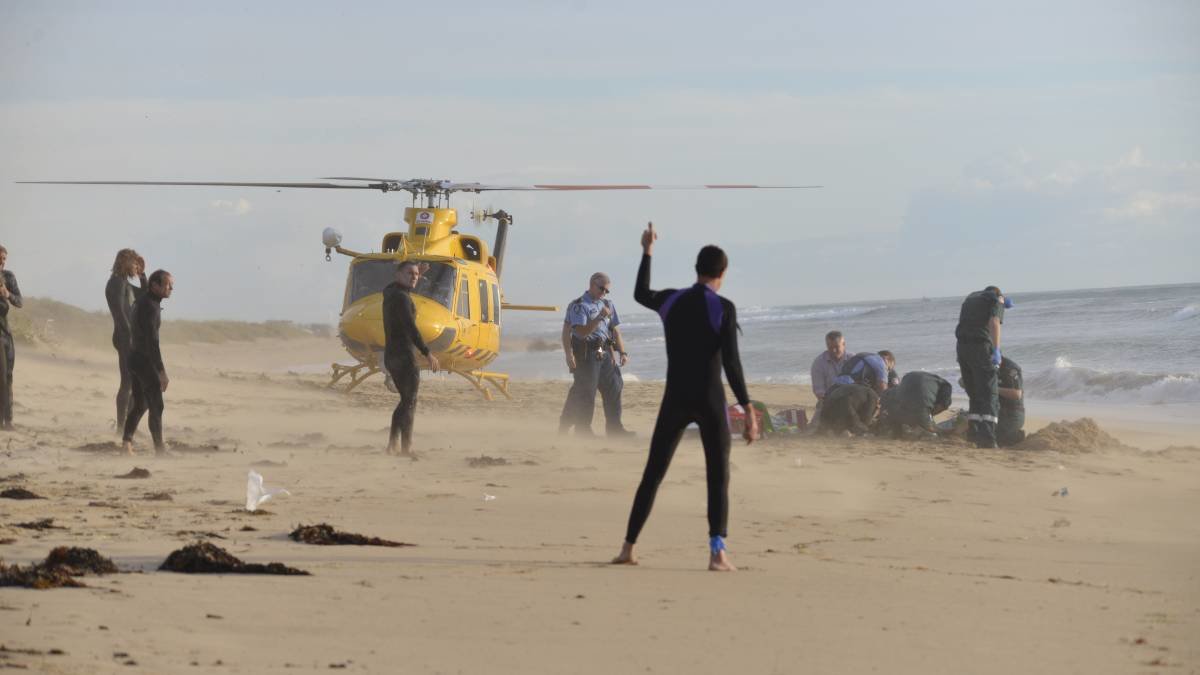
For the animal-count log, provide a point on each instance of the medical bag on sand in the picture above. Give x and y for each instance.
(737, 419)
(794, 418)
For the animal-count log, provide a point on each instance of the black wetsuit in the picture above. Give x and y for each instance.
(913, 402)
(975, 351)
(400, 338)
(121, 295)
(701, 336)
(6, 346)
(1010, 426)
(146, 369)
(848, 407)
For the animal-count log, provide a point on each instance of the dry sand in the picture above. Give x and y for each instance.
(855, 556)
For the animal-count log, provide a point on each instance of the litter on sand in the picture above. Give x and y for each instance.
(256, 494)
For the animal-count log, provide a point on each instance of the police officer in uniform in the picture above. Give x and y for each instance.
(1009, 429)
(596, 355)
(978, 335)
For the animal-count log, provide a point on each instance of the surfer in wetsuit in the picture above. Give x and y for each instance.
(10, 296)
(701, 336)
(145, 361)
(121, 296)
(401, 337)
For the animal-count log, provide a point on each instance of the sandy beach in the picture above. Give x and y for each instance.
(855, 555)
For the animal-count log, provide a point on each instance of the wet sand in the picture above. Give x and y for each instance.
(855, 556)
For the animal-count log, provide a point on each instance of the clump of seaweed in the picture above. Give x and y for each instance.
(203, 557)
(58, 570)
(323, 534)
(19, 493)
(486, 460)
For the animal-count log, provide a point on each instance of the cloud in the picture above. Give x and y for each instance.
(239, 207)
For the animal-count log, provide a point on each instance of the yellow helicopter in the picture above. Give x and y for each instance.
(458, 299)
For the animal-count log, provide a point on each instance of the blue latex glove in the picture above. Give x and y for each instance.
(996, 357)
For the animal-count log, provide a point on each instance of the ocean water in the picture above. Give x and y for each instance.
(1136, 345)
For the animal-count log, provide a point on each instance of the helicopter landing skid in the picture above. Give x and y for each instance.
(357, 373)
(478, 378)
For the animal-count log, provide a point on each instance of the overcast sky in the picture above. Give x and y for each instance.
(1032, 145)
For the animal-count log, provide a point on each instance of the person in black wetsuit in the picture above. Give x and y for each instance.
(701, 336)
(145, 361)
(401, 337)
(121, 296)
(10, 296)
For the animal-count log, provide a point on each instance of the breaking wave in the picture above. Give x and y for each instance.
(766, 315)
(1189, 312)
(1071, 383)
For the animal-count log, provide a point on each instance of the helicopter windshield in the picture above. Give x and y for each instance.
(371, 276)
(437, 283)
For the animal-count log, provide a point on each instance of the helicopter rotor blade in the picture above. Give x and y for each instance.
(580, 187)
(199, 183)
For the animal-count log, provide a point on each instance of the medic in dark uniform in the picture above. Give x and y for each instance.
(1010, 428)
(978, 334)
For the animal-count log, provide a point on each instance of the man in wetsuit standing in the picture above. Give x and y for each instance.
(401, 337)
(145, 362)
(701, 336)
(121, 295)
(978, 335)
(10, 296)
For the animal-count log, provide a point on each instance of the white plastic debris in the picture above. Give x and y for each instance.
(256, 494)
(488, 498)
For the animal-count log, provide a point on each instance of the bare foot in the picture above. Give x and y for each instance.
(719, 562)
(128, 445)
(626, 556)
(409, 454)
(389, 450)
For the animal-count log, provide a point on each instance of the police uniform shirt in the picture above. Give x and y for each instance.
(582, 310)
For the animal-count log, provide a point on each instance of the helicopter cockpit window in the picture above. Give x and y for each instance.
(495, 304)
(483, 301)
(438, 283)
(470, 248)
(464, 300)
(370, 276)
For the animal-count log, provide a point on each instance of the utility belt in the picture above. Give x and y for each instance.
(594, 348)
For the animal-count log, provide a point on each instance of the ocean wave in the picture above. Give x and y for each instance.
(772, 314)
(1189, 312)
(1071, 383)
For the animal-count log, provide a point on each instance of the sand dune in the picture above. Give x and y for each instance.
(856, 556)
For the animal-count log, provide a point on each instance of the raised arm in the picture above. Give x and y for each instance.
(729, 355)
(641, 290)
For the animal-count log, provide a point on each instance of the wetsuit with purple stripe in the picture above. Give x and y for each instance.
(701, 337)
